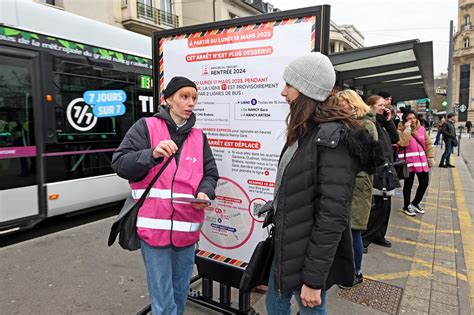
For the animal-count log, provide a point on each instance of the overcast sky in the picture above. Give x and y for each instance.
(386, 21)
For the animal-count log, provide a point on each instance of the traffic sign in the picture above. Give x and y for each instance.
(422, 100)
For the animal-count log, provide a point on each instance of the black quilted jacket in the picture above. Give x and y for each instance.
(313, 242)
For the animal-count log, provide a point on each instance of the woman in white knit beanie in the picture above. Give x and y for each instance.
(313, 190)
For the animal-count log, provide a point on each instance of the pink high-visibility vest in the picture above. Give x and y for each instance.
(160, 221)
(415, 155)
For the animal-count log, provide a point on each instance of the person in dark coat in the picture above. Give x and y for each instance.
(381, 204)
(468, 126)
(425, 123)
(449, 137)
(313, 190)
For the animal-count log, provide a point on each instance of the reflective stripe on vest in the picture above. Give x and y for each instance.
(161, 224)
(402, 155)
(417, 164)
(158, 193)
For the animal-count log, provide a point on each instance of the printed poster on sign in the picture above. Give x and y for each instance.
(238, 72)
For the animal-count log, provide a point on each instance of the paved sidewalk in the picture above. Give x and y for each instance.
(437, 281)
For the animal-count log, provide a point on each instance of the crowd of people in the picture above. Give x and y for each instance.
(333, 187)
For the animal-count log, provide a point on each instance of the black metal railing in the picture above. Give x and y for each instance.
(159, 17)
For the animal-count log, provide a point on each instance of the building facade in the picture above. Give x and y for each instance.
(217, 10)
(344, 37)
(463, 74)
(148, 16)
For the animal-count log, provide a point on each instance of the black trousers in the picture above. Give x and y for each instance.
(423, 180)
(378, 220)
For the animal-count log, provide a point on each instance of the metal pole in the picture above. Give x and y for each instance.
(214, 10)
(459, 141)
(449, 109)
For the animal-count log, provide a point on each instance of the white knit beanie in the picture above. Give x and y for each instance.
(312, 75)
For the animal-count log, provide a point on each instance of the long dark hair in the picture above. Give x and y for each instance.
(405, 115)
(306, 113)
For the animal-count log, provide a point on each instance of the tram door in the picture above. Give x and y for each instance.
(19, 154)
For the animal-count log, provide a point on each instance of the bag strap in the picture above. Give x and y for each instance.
(155, 178)
(419, 142)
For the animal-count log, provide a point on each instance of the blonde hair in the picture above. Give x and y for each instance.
(355, 101)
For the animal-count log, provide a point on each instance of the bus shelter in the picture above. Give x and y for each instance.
(403, 69)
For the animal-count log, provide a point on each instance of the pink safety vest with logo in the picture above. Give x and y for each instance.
(160, 221)
(414, 155)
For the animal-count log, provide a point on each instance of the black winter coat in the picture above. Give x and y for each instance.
(313, 242)
(385, 175)
(133, 159)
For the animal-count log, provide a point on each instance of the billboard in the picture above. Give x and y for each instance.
(237, 66)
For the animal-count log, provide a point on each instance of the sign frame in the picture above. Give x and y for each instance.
(321, 44)
(212, 266)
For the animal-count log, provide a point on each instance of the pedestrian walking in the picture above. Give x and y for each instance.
(381, 204)
(441, 121)
(468, 126)
(415, 148)
(362, 195)
(313, 189)
(169, 230)
(449, 137)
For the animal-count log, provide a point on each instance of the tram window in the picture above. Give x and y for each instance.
(74, 118)
(17, 141)
(91, 70)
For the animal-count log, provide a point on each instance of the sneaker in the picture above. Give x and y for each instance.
(409, 210)
(358, 279)
(419, 209)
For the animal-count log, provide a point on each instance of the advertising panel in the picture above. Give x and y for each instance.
(238, 71)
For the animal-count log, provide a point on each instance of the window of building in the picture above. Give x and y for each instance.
(166, 6)
(466, 43)
(145, 9)
(467, 19)
(51, 2)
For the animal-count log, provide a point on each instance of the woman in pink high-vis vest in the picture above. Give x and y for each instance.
(169, 229)
(415, 148)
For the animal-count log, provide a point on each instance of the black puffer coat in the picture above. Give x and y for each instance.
(313, 242)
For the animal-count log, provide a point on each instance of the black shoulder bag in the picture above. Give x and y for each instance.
(401, 166)
(257, 271)
(125, 225)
